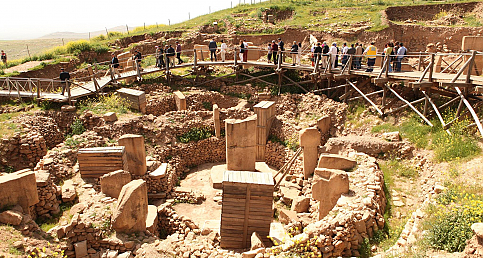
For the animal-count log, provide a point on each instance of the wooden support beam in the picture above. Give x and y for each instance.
(473, 113)
(406, 105)
(259, 78)
(410, 105)
(332, 88)
(380, 80)
(417, 85)
(431, 68)
(298, 85)
(454, 84)
(450, 65)
(470, 66)
(435, 108)
(368, 94)
(366, 98)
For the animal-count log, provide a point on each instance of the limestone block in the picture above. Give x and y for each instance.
(132, 208)
(160, 172)
(216, 120)
(370, 145)
(289, 194)
(11, 217)
(328, 190)
(472, 43)
(287, 216)
(333, 161)
(68, 191)
(478, 229)
(68, 108)
(152, 219)
(241, 144)
(300, 204)
(19, 188)
(180, 100)
(202, 52)
(391, 136)
(253, 253)
(256, 241)
(42, 177)
(112, 183)
(309, 139)
(323, 124)
(110, 117)
(81, 249)
(135, 153)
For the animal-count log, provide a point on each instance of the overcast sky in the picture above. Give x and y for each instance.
(34, 18)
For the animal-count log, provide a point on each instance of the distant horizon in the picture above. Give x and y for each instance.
(44, 17)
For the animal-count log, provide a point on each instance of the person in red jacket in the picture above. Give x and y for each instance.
(275, 52)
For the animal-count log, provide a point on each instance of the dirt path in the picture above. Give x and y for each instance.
(24, 67)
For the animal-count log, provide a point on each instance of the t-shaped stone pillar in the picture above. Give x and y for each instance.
(309, 140)
(241, 143)
(135, 153)
(216, 120)
(328, 186)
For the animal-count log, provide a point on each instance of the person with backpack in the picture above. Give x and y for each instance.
(388, 52)
(170, 53)
(358, 56)
(242, 50)
(371, 53)
(401, 52)
(64, 79)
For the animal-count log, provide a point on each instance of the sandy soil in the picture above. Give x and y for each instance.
(24, 66)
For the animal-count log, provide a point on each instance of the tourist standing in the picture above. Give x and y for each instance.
(371, 53)
(212, 46)
(317, 52)
(178, 52)
(345, 48)
(281, 47)
(157, 55)
(160, 57)
(170, 53)
(137, 59)
(394, 60)
(333, 54)
(388, 52)
(351, 52)
(245, 53)
(115, 65)
(275, 52)
(401, 52)
(358, 58)
(64, 78)
(269, 54)
(224, 47)
(325, 52)
(4, 58)
(294, 52)
(242, 50)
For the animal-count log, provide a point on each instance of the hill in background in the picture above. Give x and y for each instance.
(84, 35)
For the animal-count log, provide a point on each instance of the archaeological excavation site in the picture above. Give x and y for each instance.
(303, 154)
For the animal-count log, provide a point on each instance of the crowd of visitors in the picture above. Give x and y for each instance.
(321, 53)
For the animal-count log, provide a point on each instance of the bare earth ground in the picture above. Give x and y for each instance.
(199, 180)
(24, 67)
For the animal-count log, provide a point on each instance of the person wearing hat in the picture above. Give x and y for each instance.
(178, 52)
(64, 77)
(115, 65)
(137, 59)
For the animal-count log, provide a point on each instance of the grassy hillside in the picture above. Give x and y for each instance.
(17, 49)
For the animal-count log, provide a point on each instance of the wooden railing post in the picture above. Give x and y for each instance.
(431, 68)
(38, 92)
(329, 63)
(350, 64)
(195, 61)
(386, 72)
(470, 66)
(235, 58)
(420, 61)
(67, 84)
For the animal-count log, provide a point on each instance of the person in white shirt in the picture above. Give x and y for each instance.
(345, 57)
(401, 52)
(333, 54)
(224, 47)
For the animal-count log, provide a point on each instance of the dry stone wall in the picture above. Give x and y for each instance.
(49, 193)
(22, 150)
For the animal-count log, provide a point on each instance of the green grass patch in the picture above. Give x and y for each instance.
(398, 168)
(195, 134)
(105, 103)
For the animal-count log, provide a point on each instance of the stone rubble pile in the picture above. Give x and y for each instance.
(49, 193)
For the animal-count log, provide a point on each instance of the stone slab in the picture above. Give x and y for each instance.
(160, 172)
(19, 188)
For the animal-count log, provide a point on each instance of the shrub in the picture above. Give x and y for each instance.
(451, 219)
(77, 127)
(105, 103)
(195, 134)
(207, 105)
